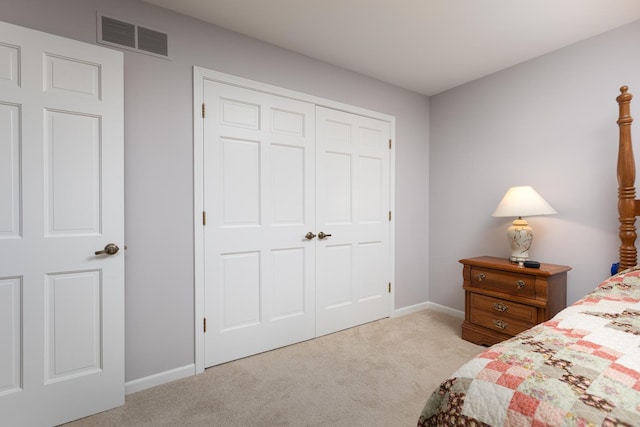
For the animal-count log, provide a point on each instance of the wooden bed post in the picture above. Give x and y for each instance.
(626, 184)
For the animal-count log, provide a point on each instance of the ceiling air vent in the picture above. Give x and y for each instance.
(114, 32)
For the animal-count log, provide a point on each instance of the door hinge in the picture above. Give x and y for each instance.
(204, 218)
(204, 324)
(203, 110)
(389, 287)
(389, 215)
(389, 143)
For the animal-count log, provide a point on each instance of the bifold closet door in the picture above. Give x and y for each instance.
(259, 184)
(353, 207)
(297, 233)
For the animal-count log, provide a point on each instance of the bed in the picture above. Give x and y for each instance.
(580, 368)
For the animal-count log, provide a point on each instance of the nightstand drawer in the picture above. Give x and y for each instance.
(504, 308)
(522, 285)
(504, 324)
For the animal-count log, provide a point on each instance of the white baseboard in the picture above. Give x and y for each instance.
(409, 309)
(159, 378)
(428, 305)
(446, 310)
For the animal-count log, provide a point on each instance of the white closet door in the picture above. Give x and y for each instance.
(61, 199)
(353, 263)
(259, 172)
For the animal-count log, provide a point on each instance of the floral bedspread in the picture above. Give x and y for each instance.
(581, 368)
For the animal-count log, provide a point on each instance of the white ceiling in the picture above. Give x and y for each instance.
(426, 46)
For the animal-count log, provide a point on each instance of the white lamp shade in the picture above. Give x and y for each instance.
(522, 201)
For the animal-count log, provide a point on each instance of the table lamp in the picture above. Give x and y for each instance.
(519, 202)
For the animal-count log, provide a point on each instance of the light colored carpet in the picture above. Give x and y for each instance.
(378, 374)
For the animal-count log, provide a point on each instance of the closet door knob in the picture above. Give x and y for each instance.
(321, 235)
(309, 236)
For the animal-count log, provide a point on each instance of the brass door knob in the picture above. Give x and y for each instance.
(309, 236)
(109, 249)
(322, 235)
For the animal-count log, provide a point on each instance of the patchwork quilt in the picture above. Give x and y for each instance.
(581, 368)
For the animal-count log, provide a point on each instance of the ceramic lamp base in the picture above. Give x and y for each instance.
(520, 237)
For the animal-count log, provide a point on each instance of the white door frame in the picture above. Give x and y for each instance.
(199, 75)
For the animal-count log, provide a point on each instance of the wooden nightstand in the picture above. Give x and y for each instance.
(503, 299)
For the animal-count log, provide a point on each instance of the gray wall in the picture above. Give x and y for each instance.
(159, 162)
(549, 123)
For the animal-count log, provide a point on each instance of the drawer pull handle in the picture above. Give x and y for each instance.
(481, 277)
(520, 284)
(500, 324)
(498, 306)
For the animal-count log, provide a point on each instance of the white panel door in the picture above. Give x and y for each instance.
(353, 262)
(259, 203)
(61, 200)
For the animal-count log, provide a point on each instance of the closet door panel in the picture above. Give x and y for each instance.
(259, 199)
(353, 262)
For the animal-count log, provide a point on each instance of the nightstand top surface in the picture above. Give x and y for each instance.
(506, 265)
